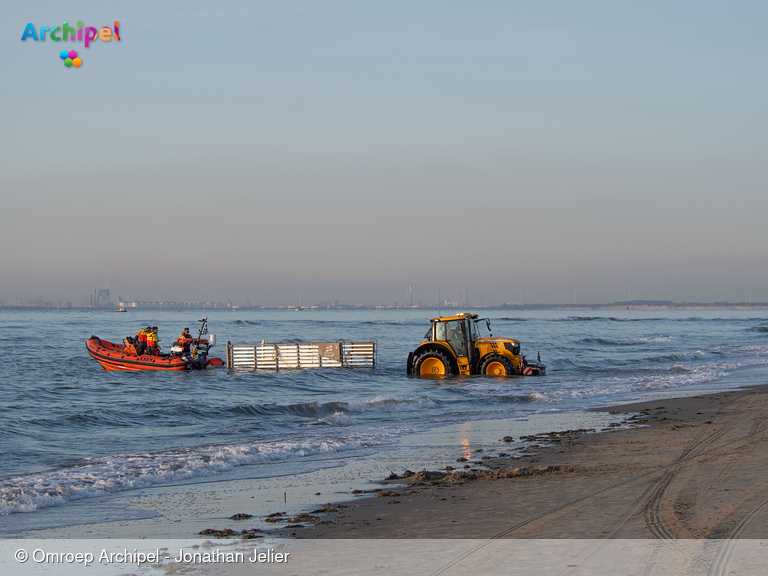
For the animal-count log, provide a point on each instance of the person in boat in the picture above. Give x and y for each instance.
(141, 340)
(153, 348)
(184, 340)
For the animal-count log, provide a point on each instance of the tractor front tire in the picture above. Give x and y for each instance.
(496, 366)
(433, 363)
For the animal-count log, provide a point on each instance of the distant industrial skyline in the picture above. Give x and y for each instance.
(102, 299)
(441, 297)
(273, 151)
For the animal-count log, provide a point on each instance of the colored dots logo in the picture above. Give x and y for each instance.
(70, 58)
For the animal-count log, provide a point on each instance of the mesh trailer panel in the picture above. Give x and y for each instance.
(277, 356)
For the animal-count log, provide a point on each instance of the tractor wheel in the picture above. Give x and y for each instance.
(433, 363)
(496, 366)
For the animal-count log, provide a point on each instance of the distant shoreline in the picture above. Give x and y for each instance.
(651, 307)
(446, 310)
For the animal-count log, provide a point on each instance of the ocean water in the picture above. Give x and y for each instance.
(71, 432)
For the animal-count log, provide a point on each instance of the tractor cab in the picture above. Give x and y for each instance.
(453, 346)
(458, 332)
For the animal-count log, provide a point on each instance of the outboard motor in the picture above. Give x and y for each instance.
(199, 353)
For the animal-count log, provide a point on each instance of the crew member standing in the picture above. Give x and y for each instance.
(153, 348)
(141, 340)
(183, 337)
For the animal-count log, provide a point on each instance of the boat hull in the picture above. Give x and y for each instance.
(113, 357)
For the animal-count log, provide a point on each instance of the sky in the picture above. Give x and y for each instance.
(266, 151)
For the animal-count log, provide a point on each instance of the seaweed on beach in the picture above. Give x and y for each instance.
(519, 472)
(328, 508)
(229, 533)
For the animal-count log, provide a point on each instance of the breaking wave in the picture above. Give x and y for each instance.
(95, 477)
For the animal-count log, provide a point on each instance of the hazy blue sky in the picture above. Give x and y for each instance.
(252, 150)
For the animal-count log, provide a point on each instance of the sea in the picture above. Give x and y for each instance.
(73, 434)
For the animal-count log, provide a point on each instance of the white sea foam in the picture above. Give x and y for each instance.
(534, 397)
(681, 368)
(380, 405)
(303, 416)
(642, 340)
(649, 378)
(101, 476)
(337, 419)
(384, 404)
(598, 388)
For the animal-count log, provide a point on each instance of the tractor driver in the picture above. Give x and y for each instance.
(456, 336)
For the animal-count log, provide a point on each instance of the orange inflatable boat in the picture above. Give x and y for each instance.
(123, 357)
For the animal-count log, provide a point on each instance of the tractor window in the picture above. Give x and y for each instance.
(457, 336)
(440, 331)
(475, 334)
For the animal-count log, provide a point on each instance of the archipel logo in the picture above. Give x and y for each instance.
(89, 34)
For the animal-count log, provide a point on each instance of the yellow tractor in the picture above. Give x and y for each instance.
(453, 346)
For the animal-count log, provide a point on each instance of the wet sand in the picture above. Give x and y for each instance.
(697, 471)
(185, 510)
(684, 493)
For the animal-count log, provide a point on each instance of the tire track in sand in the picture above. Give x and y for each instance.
(655, 523)
(654, 520)
(699, 446)
(722, 559)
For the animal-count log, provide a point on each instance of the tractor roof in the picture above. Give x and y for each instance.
(460, 316)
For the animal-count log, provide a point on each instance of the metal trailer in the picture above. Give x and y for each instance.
(277, 356)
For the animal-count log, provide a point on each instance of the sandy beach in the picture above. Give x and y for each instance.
(697, 471)
(676, 468)
(683, 491)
